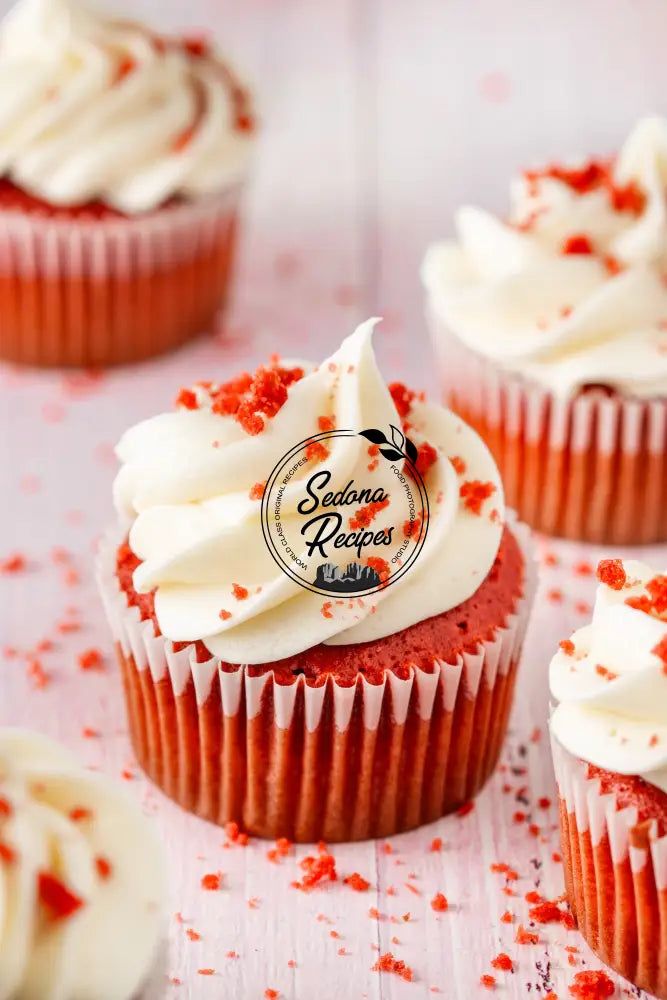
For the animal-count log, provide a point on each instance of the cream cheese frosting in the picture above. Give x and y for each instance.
(81, 879)
(610, 679)
(92, 107)
(187, 487)
(570, 290)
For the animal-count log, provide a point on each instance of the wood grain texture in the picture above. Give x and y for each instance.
(380, 117)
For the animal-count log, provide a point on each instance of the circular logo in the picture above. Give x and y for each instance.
(348, 520)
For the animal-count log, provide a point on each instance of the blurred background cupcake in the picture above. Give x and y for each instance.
(609, 738)
(122, 158)
(551, 329)
(290, 709)
(82, 880)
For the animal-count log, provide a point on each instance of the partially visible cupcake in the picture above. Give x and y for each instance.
(609, 739)
(122, 158)
(338, 692)
(82, 880)
(551, 328)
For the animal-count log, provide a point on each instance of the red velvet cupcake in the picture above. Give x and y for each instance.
(350, 699)
(609, 738)
(120, 175)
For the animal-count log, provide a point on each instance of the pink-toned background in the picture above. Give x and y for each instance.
(380, 117)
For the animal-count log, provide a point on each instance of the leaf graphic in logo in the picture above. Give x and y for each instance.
(397, 437)
(391, 454)
(411, 451)
(377, 437)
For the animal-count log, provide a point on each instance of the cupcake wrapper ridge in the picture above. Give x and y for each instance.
(309, 762)
(615, 876)
(592, 467)
(98, 292)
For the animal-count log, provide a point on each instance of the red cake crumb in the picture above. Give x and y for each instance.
(80, 813)
(317, 869)
(436, 844)
(578, 243)
(212, 882)
(271, 994)
(465, 809)
(592, 985)
(403, 398)
(507, 917)
(549, 912)
(567, 646)
(326, 423)
(192, 934)
(487, 981)
(526, 937)
(187, 399)
(366, 515)
(224, 614)
(661, 652)
(356, 882)
(104, 868)
(387, 963)
(7, 854)
(657, 590)
(502, 961)
(459, 465)
(439, 903)
(91, 659)
(257, 491)
(603, 671)
(55, 897)
(611, 573)
(427, 456)
(473, 493)
(592, 176)
(13, 564)
(239, 592)
(205, 972)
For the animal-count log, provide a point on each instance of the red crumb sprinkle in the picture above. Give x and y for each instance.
(239, 592)
(611, 573)
(205, 972)
(608, 675)
(465, 809)
(583, 568)
(567, 646)
(55, 897)
(325, 610)
(657, 589)
(487, 981)
(439, 903)
(91, 659)
(326, 424)
(427, 456)
(459, 465)
(270, 994)
(316, 451)
(257, 491)
(474, 492)
(13, 564)
(592, 176)
(403, 398)
(104, 867)
(365, 515)
(79, 813)
(525, 937)
(549, 912)
(317, 869)
(192, 934)
(212, 882)
(544, 802)
(225, 615)
(387, 963)
(436, 844)
(507, 917)
(591, 985)
(502, 961)
(556, 858)
(661, 652)
(7, 854)
(640, 603)
(187, 399)
(6, 808)
(357, 882)
(38, 676)
(577, 243)
(380, 565)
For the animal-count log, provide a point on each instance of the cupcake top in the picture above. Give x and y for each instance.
(610, 678)
(81, 879)
(95, 108)
(569, 291)
(193, 485)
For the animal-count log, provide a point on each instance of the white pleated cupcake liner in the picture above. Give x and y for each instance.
(615, 875)
(96, 292)
(309, 761)
(591, 467)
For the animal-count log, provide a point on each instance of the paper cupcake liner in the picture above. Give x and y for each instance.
(615, 876)
(101, 292)
(592, 468)
(326, 762)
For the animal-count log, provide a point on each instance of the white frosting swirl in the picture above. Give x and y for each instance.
(508, 291)
(186, 480)
(92, 107)
(612, 690)
(59, 819)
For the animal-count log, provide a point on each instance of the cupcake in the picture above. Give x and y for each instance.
(82, 887)
(122, 155)
(551, 333)
(318, 601)
(609, 738)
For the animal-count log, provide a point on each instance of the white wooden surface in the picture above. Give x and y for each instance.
(380, 117)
